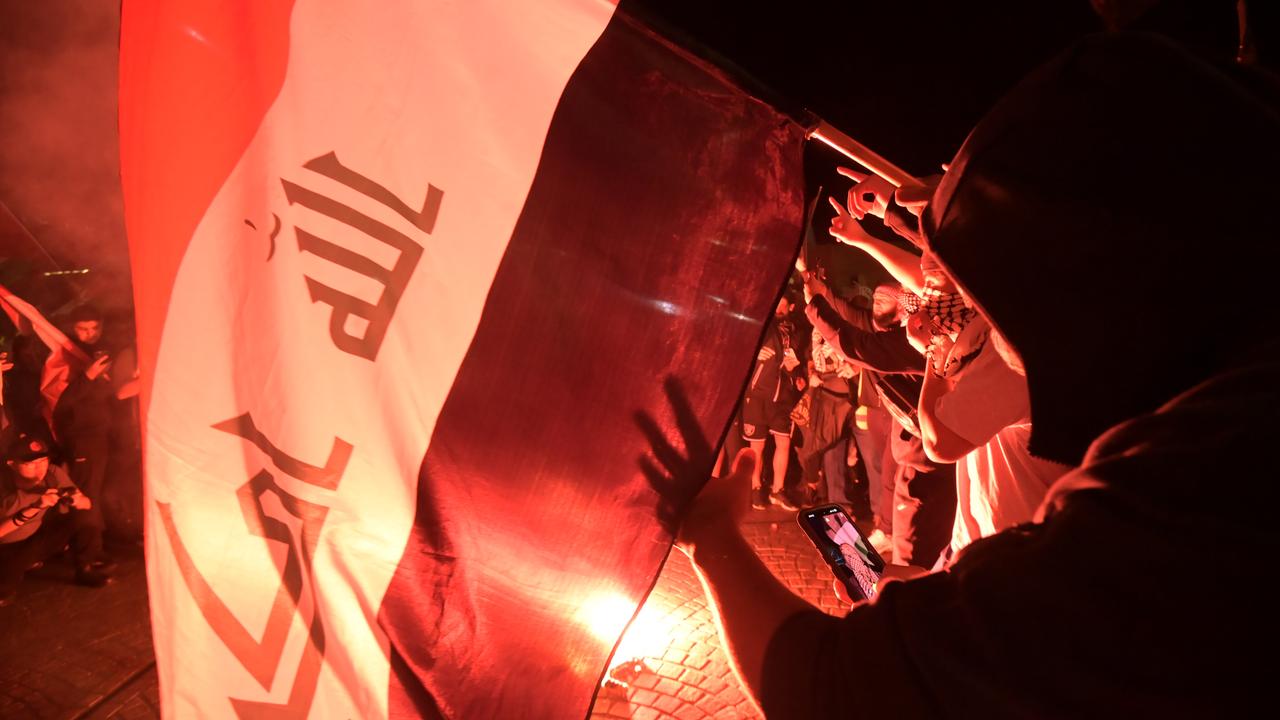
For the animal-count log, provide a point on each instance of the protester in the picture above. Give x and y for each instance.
(924, 499)
(22, 402)
(1131, 596)
(873, 425)
(83, 417)
(976, 413)
(41, 510)
(973, 410)
(826, 438)
(870, 431)
(774, 388)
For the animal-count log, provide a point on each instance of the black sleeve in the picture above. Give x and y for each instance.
(901, 221)
(851, 314)
(820, 666)
(81, 389)
(886, 352)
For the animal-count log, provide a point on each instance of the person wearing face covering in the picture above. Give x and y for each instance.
(1127, 161)
(975, 411)
(972, 408)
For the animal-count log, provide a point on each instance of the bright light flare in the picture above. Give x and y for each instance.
(606, 615)
(649, 635)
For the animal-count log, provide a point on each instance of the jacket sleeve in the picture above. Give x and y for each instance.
(844, 309)
(886, 352)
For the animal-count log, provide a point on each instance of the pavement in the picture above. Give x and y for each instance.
(689, 678)
(94, 659)
(75, 652)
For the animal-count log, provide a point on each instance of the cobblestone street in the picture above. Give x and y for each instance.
(690, 678)
(670, 665)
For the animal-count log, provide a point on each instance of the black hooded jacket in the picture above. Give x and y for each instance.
(1115, 218)
(1098, 225)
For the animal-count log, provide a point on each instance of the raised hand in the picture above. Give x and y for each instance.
(721, 505)
(845, 228)
(869, 195)
(98, 368)
(675, 475)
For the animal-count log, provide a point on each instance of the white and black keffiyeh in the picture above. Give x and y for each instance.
(948, 311)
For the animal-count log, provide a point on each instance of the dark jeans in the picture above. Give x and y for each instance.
(923, 514)
(826, 444)
(873, 447)
(55, 532)
(835, 469)
(87, 465)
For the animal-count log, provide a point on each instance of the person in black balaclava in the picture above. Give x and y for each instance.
(1078, 217)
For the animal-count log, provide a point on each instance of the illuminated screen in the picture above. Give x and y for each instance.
(854, 561)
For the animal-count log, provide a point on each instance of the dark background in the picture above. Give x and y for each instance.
(908, 78)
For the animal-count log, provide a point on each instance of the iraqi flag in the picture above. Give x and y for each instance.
(442, 307)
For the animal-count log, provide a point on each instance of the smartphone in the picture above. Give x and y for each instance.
(854, 562)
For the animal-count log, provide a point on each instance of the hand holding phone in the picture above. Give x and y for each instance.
(789, 359)
(852, 559)
(98, 368)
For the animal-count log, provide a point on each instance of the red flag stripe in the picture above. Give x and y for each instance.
(196, 79)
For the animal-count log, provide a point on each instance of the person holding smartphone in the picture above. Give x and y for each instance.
(1100, 606)
(772, 392)
(84, 417)
(41, 510)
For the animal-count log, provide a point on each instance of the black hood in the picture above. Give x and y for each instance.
(1115, 216)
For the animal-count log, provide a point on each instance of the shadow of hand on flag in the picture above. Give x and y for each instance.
(677, 477)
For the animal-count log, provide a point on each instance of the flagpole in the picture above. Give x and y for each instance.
(863, 155)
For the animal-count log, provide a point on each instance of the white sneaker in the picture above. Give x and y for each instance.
(882, 542)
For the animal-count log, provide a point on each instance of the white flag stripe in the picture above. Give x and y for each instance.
(314, 435)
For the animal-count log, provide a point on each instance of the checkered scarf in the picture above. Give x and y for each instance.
(948, 311)
(907, 300)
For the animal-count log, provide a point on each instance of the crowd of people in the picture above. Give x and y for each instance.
(907, 393)
(67, 411)
(1047, 424)
(1069, 402)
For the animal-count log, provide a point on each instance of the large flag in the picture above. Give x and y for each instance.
(442, 306)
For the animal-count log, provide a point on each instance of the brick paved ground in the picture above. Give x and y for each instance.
(71, 652)
(690, 678)
(66, 650)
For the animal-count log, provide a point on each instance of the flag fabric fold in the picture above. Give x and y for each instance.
(442, 307)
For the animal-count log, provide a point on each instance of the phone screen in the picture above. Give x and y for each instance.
(855, 563)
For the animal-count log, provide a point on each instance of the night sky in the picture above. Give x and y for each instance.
(908, 78)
